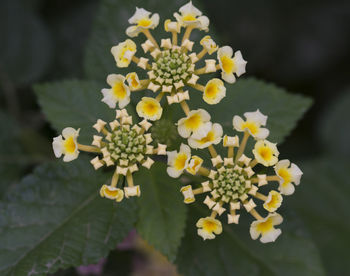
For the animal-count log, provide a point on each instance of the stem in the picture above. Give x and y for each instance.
(88, 148)
(201, 54)
(135, 59)
(148, 34)
(185, 107)
(253, 163)
(230, 152)
(174, 39)
(212, 151)
(129, 179)
(197, 86)
(203, 171)
(242, 146)
(260, 196)
(255, 214)
(213, 214)
(160, 96)
(200, 71)
(273, 178)
(187, 33)
(198, 191)
(115, 178)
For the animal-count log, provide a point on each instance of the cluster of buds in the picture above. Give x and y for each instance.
(171, 66)
(233, 184)
(120, 144)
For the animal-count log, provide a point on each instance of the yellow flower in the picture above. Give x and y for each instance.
(214, 91)
(265, 228)
(124, 52)
(118, 93)
(194, 165)
(142, 21)
(266, 153)
(209, 44)
(178, 161)
(273, 201)
(149, 109)
(67, 146)
(112, 193)
(133, 81)
(252, 124)
(196, 123)
(188, 194)
(207, 227)
(212, 137)
(288, 174)
(230, 65)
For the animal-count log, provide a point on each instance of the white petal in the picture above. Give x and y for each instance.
(71, 157)
(112, 79)
(202, 131)
(132, 31)
(139, 14)
(271, 236)
(286, 189)
(57, 146)
(257, 117)
(204, 23)
(124, 102)
(108, 98)
(253, 230)
(69, 131)
(262, 133)
(189, 8)
(155, 20)
(229, 78)
(240, 63)
(237, 123)
(183, 131)
(296, 174)
(172, 172)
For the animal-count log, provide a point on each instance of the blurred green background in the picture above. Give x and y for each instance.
(302, 46)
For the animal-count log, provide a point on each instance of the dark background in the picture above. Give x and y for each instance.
(300, 45)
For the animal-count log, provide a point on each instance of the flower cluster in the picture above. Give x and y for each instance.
(171, 65)
(121, 144)
(232, 184)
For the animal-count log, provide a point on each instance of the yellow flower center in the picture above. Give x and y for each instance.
(264, 227)
(227, 64)
(144, 22)
(119, 90)
(69, 145)
(265, 153)
(193, 122)
(150, 108)
(125, 49)
(286, 175)
(211, 90)
(209, 138)
(274, 201)
(134, 82)
(111, 193)
(209, 226)
(253, 128)
(189, 17)
(180, 161)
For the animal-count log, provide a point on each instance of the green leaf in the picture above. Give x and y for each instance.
(248, 94)
(11, 155)
(26, 46)
(55, 218)
(323, 202)
(234, 253)
(74, 103)
(109, 29)
(162, 214)
(334, 129)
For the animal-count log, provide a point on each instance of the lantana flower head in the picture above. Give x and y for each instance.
(172, 66)
(233, 182)
(119, 144)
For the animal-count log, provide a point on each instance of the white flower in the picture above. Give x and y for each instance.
(172, 26)
(209, 44)
(67, 146)
(207, 227)
(214, 91)
(196, 122)
(191, 16)
(288, 173)
(118, 93)
(212, 137)
(124, 52)
(252, 124)
(266, 153)
(265, 228)
(194, 165)
(149, 109)
(178, 161)
(273, 201)
(142, 21)
(230, 65)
